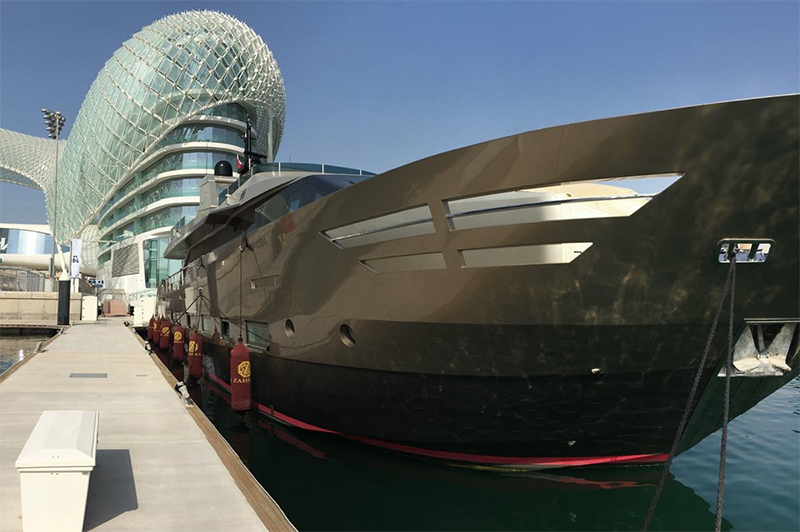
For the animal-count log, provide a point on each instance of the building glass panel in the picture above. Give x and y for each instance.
(228, 110)
(22, 242)
(201, 161)
(174, 188)
(166, 217)
(127, 188)
(123, 211)
(156, 267)
(187, 160)
(202, 133)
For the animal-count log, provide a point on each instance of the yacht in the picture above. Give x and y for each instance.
(540, 300)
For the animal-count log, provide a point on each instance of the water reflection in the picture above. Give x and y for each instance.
(14, 346)
(324, 482)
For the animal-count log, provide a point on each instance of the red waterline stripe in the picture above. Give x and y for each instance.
(217, 380)
(462, 457)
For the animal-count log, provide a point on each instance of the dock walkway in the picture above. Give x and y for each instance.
(156, 468)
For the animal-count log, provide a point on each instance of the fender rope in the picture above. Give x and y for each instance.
(244, 246)
(690, 399)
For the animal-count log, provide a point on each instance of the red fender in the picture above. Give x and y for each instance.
(178, 337)
(195, 355)
(163, 342)
(157, 333)
(240, 377)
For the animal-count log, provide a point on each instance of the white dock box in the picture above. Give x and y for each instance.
(54, 468)
(89, 308)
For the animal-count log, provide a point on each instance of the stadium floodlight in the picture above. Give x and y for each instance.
(55, 122)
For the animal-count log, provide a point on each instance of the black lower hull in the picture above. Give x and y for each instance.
(490, 419)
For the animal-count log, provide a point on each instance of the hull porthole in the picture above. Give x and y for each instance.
(346, 334)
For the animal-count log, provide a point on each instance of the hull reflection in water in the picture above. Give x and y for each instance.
(324, 482)
(537, 301)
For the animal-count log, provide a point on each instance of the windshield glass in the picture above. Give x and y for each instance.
(299, 194)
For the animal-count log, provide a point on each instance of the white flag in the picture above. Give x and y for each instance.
(75, 258)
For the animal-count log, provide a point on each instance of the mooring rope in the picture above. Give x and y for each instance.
(690, 400)
(723, 448)
(173, 322)
(244, 246)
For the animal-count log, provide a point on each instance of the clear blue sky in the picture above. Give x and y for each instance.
(376, 85)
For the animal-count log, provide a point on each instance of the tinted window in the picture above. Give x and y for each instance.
(294, 200)
(299, 194)
(257, 334)
(329, 184)
(287, 200)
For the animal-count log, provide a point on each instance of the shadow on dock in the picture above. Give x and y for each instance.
(112, 489)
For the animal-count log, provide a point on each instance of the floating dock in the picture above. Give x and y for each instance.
(161, 465)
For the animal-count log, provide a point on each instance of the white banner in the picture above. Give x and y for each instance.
(75, 258)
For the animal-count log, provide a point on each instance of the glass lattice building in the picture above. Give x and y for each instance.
(168, 105)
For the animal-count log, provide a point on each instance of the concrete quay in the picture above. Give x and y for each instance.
(160, 464)
(36, 307)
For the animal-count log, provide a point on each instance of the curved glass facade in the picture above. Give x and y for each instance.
(178, 68)
(156, 267)
(203, 161)
(188, 160)
(202, 133)
(197, 160)
(157, 91)
(166, 217)
(229, 110)
(174, 188)
(27, 160)
(120, 213)
(22, 242)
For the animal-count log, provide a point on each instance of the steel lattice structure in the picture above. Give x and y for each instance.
(170, 71)
(26, 160)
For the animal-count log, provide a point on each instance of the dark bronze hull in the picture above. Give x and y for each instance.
(498, 361)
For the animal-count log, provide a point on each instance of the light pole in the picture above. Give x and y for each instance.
(54, 121)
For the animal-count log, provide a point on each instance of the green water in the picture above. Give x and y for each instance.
(14, 347)
(323, 482)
